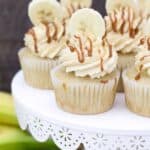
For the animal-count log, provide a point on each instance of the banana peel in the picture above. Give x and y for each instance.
(14, 139)
(7, 111)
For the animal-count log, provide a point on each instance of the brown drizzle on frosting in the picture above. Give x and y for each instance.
(145, 40)
(101, 64)
(32, 33)
(80, 52)
(47, 32)
(138, 76)
(55, 32)
(114, 20)
(90, 48)
(104, 81)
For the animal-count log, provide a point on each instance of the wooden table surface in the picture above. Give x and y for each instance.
(14, 23)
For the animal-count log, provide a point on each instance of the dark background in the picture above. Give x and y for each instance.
(14, 22)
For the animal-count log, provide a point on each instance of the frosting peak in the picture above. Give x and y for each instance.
(46, 40)
(88, 57)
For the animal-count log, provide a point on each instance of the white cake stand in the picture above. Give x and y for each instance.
(118, 129)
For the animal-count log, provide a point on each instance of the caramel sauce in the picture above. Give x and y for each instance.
(104, 81)
(55, 32)
(144, 57)
(114, 21)
(148, 43)
(138, 76)
(81, 53)
(142, 41)
(123, 23)
(32, 33)
(90, 48)
(101, 64)
(47, 32)
(64, 25)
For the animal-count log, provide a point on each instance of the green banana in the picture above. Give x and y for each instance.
(7, 112)
(14, 139)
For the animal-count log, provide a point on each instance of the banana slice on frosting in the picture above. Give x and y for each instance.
(87, 22)
(40, 11)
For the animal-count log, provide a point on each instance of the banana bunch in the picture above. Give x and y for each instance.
(11, 137)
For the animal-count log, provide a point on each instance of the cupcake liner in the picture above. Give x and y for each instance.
(137, 96)
(36, 70)
(83, 97)
(124, 61)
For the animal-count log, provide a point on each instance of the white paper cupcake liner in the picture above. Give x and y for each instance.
(84, 97)
(137, 96)
(36, 70)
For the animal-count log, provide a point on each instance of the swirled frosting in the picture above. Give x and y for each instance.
(46, 40)
(86, 57)
(142, 63)
(124, 29)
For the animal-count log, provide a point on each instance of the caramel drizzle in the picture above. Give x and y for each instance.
(33, 34)
(101, 64)
(104, 81)
(147, 41)
(49, 39)
(104, 41)
(80, 52)
(90, 48)
(114, 21)
(138, 76)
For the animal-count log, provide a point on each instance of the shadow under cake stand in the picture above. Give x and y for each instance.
(116, 129)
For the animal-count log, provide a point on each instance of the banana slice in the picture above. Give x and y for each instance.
(87, 22)
(112, 5)
(81, 3)
(44, 11)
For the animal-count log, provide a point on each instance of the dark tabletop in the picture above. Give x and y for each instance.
(14, 23)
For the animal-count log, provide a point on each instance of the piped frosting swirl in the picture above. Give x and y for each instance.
(124, 29)
(142, 60)
(86, 57)
(46, 40)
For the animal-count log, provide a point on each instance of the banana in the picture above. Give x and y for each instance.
(13, 139)
(112, 5)
(81, 3)
(40, 11)
(87, 22)
(7, 112)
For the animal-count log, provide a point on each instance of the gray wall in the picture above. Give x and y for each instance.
(13, 24)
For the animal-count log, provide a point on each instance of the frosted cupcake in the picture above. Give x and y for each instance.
(137, 81)
(124, 31)
(43, 43)
(86, 81)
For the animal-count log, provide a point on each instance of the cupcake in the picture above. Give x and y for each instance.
(137, 81)
(124, 31)
(86, 81)
(43, 43)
